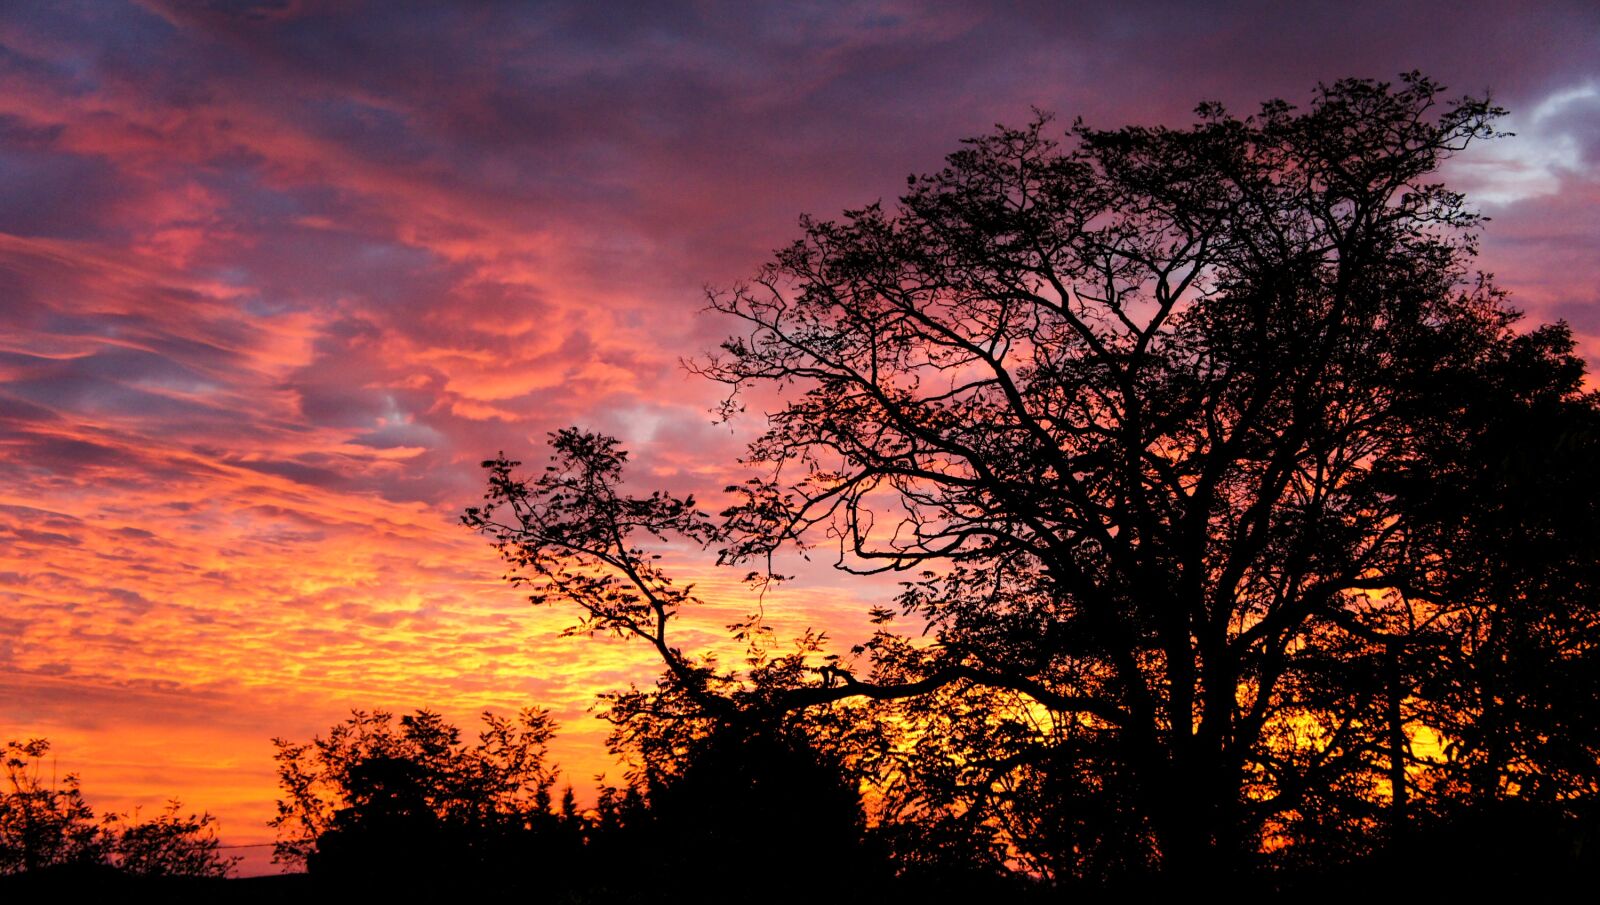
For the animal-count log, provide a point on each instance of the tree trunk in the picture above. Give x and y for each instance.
(1197, 825)
(1397, 749)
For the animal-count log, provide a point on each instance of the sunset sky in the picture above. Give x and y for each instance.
(275, 277)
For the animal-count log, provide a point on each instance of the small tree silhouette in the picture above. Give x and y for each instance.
(48, 826)
(381, 800)
(170, 844)
(42, 823)
(751, 804)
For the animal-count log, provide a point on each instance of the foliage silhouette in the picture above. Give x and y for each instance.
(380, 801)
(43, 824)
(49, 827)
(1196, 448)
(170, 844)
(752, 803)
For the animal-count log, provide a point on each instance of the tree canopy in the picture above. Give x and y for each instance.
(1245, 521)
(380, 798)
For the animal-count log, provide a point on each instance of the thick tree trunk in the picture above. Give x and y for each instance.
(1196, 821)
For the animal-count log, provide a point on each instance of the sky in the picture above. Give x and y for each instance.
(275, 277)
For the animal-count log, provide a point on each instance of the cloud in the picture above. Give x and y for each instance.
(1556, 140)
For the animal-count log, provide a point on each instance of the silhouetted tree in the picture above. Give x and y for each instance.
(1149, 420)
(170, 844)
(1512, 683)
(755, 803)
(43, 823)
(48, 826)
(380, 800)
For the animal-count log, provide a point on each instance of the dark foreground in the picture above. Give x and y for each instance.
(625, 888)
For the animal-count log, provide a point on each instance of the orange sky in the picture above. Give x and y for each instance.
(273, 281)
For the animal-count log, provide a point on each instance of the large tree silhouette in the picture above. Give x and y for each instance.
(1179, 439)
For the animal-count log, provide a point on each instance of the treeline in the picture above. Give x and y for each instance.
(405, 803)
(832, 804)
(780, 810)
